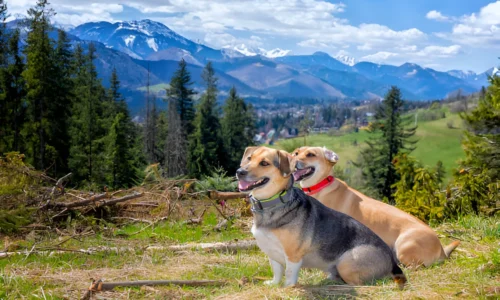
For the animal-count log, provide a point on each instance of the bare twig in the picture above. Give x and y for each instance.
(99, 285)
(226, 195)
(133, 219)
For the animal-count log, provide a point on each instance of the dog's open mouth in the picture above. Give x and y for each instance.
(245, 186)
(302, 174)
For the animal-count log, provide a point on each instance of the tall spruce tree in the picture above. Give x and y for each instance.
(121, 157)
(237, 128)
(181, 91)
(12, 85)
(3, 66)
(88, 121)
(61, 102)
(37, 75)
(205, 147)
(389, 137)
(180, 121)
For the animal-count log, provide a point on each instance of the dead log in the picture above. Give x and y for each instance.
(216, 195)
(94, 199)
(99, 285)
(220, 246)
(229, 247)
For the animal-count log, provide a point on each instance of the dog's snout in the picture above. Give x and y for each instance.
(241, 172)
(300, 165)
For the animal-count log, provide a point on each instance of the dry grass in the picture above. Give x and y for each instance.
(473, 272)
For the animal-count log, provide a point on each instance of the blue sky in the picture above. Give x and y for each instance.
(444, 34)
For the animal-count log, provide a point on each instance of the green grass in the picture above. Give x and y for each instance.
(473, 272)
(435, 142)
(178, 232)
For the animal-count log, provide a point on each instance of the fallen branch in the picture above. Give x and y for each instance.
(99, 285)
(229, 247)
(220, 246)
(216, 195)
(95, 198)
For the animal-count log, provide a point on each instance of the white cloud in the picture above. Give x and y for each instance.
(220, 40)
(478, 30)
(380, 57)
(314, 43)
(439, 51)
(436, 15)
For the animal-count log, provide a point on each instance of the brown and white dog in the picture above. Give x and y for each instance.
(296, 230)
(413, 241)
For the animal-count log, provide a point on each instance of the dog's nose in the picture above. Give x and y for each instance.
(300, 165)
(241, 172)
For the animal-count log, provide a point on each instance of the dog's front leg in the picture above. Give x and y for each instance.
(292, 272)
(278, 271)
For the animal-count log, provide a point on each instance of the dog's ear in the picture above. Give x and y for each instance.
(330, 156)
(285, 162)
(296, 151)
(248, 152)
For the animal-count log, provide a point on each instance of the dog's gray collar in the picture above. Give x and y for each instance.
(275, 201)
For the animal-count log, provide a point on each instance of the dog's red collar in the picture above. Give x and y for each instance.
(319, 186)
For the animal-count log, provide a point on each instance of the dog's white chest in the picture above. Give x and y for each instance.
(269, 244)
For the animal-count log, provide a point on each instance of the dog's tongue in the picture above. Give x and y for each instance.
(244, 185)
(297, 174)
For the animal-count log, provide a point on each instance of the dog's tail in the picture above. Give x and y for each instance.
(448, 249)
(398, 276)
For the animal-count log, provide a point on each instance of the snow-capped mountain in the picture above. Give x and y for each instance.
(140, 39)
(475, 79)
(254, 51)
(347, 60)
(462, 74)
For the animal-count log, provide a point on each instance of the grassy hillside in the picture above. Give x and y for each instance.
(436, 141)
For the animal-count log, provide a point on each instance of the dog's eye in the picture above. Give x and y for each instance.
(248, 158)
(310, 155)
(296, 153)
(264, 163)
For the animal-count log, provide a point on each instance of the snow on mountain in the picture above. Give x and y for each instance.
(347, 60)
(254, 51)
(462, 74)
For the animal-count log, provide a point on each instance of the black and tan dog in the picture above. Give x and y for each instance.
(296, 230)
(413, 241)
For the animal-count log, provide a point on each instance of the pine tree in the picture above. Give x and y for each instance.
(440, 172)
(37, 75)
(180, 91)
(389, 137)
(180, 121)
(238, 130)
(121, 157)
(478, 181)
(88, 122)
(205, 142)
(12, 85)
(3, 65)
(61, 103)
